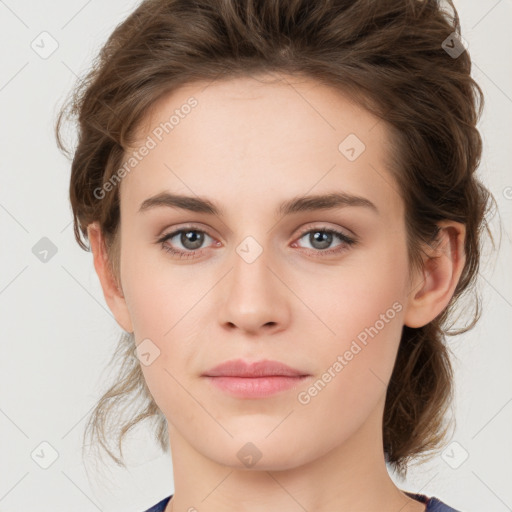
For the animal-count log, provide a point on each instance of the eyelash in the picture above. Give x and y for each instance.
(347, 242)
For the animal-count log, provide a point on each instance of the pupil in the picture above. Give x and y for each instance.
(317, 237)
(192, 239)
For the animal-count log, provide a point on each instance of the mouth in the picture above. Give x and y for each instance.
(259, 379)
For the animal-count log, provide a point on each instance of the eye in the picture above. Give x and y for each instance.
(321, 240)
(190, 239)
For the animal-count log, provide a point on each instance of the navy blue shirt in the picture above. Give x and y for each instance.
(433, 504)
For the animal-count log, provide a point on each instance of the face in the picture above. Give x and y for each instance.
(318, 286)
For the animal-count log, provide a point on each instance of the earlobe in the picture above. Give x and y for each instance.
(111, 290)
(431, 293)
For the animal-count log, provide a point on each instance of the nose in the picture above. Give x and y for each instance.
(253, 297)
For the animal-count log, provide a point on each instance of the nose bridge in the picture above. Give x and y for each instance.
(251, 262)
(253, 297)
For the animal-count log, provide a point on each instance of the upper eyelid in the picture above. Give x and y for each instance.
(175, 232)
(301, 233)
(194, 227)
(328, 229)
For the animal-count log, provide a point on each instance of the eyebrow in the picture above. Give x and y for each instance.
(295, 205)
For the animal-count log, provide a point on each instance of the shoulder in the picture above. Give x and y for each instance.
(433, 504)
(160, 506)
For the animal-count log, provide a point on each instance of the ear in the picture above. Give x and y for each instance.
(431, 292)
(111, 291)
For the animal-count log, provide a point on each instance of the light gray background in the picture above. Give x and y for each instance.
(58, 334)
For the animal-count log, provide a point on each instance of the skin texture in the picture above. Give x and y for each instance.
(247, 146)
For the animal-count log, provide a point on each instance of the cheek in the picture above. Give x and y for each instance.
(354, 368)
(362, 318)
(166, 308)
(157, 295)
(366, 291)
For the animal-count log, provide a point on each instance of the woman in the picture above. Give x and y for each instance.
(281, 201)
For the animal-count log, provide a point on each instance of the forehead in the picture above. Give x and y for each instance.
(252, 136)
(245, 102)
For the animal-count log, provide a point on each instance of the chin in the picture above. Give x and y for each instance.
(258, 451)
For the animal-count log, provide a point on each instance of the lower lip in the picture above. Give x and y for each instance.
(257, 387)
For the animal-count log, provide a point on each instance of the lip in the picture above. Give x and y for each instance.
(258, 379)
(264, 368)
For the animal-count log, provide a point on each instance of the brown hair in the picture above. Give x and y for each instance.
(390, 57)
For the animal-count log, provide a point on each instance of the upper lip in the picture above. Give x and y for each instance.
(264, 368)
